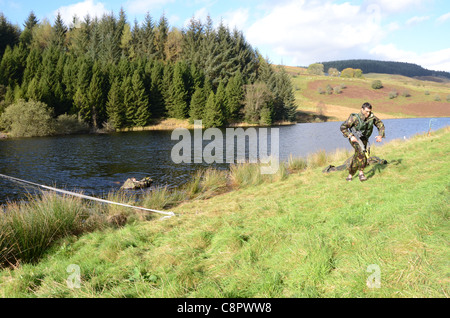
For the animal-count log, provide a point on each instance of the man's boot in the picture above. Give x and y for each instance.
(362, 177)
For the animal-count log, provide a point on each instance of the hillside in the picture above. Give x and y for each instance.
(386, 67)
(414, 97)
(300, 236)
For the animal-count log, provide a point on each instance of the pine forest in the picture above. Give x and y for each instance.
(108, 72)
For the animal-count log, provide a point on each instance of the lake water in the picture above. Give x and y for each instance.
(98, 164)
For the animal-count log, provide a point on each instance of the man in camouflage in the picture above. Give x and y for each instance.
(362, 122)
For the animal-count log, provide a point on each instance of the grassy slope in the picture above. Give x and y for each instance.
(358, 91)
(310, 235)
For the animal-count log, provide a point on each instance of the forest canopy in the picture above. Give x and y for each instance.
(108, 71)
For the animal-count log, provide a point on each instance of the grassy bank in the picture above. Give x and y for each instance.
(421, 100)
(303, 234)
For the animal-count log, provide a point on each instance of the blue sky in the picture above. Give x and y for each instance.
(291, 32)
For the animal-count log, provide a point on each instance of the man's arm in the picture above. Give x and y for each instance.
(346, 125)
(380, 126)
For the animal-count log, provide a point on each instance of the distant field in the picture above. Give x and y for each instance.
(416, 97)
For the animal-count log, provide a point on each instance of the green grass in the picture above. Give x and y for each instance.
(308, 99)
(306, 234)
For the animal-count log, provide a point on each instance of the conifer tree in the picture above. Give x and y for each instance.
(59, 32)
(166, 85)
(140, 101)
(9, 34)
(198, 104)
(210, 112)
(96, 98)
(33, 92)
(284, 99)
(8, 68)
(235, 95)
(162, 32)
(156, 87)
(114, 105)
(33, 62)
(128, 105)
(27, 34)
(177, 106)
(221, 105)
(148, 37)
(80, 100)
(213, 115)
(80, 38)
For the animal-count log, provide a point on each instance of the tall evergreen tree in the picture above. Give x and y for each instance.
(34, 60)
(128, 104)
(9, 34)
(96, 97)
(235, 96)
(148, 37)
(198, 104)
(221, 104)
(162, 33)
(27, 34)
(140, 101)
(80, 100)
(114, 105)
(59, 32)
(177, 106)
(156, 89)
(284, 99)
(213, 114)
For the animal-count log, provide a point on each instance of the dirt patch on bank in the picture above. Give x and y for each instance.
(354, 95)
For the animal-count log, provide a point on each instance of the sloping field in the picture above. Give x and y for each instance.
(308, 235)
(414, 98)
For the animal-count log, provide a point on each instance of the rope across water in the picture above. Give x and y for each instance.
(83, 196)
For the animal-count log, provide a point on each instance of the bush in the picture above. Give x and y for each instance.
(32, 118)
(337, 89)
(437, 98)
(27, 119)
(393, 94)
(376, 84)
(69, 124)
(406, 93)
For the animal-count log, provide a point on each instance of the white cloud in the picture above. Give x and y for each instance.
(416, 20)
(443, 18)
(396, 6)
(436, 60)
(237, 18)
(199, 15)
(317, 31)
(81, 9)
(143, 6)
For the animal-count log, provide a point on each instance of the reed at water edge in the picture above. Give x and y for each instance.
(28, 229)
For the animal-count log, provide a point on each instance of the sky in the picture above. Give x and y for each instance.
(290, 32)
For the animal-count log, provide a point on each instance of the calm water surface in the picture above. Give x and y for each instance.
(98, 164)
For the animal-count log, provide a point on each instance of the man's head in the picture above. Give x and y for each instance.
(366, 109)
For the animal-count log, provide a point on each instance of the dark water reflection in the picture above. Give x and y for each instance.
(97, 164)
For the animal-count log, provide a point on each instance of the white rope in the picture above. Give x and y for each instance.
(168, 214)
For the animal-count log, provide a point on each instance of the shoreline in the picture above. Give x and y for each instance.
(303, 117)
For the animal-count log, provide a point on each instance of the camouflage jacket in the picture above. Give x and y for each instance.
(352, 121)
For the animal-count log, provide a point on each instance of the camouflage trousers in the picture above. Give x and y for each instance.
(359, 159)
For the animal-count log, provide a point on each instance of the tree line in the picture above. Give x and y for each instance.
(384, 67)
(107, 71)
